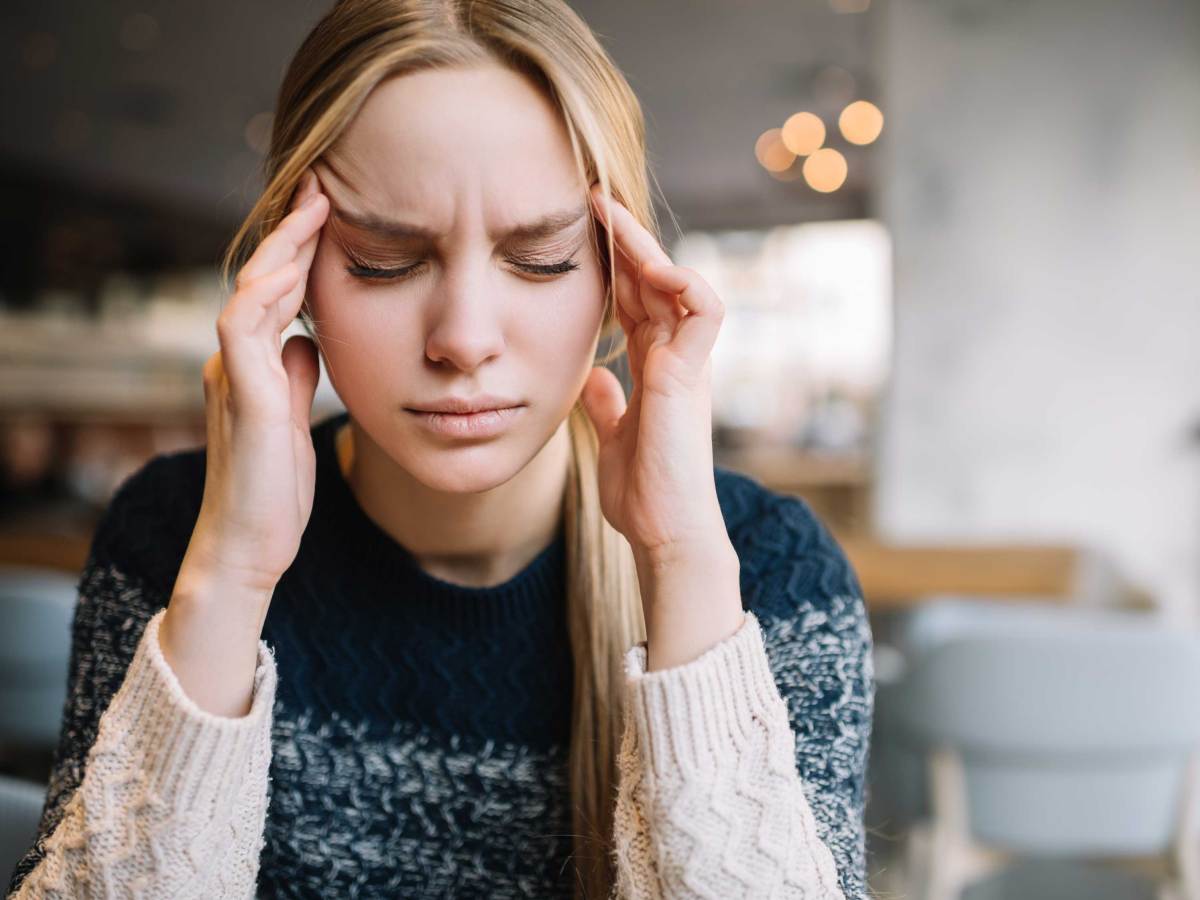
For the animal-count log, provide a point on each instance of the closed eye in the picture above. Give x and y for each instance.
(375, 273)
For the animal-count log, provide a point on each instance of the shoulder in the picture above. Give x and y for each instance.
(148, 522)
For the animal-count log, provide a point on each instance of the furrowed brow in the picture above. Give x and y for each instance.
(393, 230)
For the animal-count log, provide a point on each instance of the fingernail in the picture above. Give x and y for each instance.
(312, 198)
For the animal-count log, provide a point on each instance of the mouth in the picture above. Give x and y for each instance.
(478, 424)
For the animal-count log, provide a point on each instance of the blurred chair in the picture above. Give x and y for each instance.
(20, 812)
(36, 609)
(1051, 733)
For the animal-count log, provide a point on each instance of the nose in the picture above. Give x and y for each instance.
(466, 328)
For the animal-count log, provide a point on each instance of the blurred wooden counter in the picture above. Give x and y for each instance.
(892, 575)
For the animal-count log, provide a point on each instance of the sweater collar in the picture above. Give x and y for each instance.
(371, 552)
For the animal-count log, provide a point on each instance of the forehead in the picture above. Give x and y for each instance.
(451, 147)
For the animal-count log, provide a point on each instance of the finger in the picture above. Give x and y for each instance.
(697, 331)
(283, 243)
(630, 326)
(638, 246)
(246, 329)
(212, 377)
(628, 233)
(303, 371)
(662, 304)
(625, 281)
(603, 400)
(626, 291)
(305, 188)
(291, 303)
(627, 324)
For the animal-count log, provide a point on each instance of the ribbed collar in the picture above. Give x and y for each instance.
(376, 556)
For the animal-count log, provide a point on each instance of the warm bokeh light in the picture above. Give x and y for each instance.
(861, 122)
(772, 153)
(825, 170)
(803, 133)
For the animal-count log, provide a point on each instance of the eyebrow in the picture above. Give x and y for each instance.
(545, 226)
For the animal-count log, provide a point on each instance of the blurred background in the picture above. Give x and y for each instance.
(958, 245)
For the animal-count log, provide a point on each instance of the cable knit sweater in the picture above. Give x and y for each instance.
(408, 736)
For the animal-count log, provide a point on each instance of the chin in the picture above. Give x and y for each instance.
(463, 469)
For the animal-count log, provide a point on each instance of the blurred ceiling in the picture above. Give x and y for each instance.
(151, 100)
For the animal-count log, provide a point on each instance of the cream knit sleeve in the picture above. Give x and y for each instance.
(173, 801)
(709, 801)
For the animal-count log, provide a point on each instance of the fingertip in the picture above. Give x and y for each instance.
(302, 190)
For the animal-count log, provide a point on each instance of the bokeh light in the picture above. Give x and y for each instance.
(803, 133)
(773, 155)
(825, 170)
(861, 122)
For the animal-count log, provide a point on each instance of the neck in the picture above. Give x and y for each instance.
(473, 538)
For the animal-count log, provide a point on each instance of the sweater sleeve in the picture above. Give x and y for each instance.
(127, 798)
(709, 800)
(173, 799)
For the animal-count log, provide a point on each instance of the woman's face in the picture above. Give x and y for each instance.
(462, 180)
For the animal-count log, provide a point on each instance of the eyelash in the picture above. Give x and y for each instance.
(373, 273)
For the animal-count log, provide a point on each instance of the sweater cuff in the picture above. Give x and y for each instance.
(694, 716)
(190, 758)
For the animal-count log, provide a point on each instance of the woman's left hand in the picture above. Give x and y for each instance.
(656, 476)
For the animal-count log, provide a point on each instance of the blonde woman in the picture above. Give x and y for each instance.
(495, 630)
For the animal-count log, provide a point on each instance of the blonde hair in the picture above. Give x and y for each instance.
(352, 49)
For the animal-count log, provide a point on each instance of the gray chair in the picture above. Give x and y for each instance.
(1052, 733)
(20, 812)
(36, 609)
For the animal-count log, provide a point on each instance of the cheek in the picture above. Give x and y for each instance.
(561, 331)
(353, 324)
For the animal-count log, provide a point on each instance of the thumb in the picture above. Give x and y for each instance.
(303, 371)
(603, 400)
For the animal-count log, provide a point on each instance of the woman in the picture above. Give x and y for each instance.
(541, 650)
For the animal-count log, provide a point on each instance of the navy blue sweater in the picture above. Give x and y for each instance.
(421, 728)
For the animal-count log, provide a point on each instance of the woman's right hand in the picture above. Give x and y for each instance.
(260, 469)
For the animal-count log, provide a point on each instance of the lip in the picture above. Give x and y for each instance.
(480, 403)
(485, 423)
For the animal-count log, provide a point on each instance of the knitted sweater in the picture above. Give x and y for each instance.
(408, 736)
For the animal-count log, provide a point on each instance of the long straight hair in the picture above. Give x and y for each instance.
(357, 45)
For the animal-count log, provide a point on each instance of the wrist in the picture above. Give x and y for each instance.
(709, 549)
(209, 638)
(207, 571)
(202, 601)
(691, 600)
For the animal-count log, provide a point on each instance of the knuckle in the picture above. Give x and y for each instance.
(226, 328)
